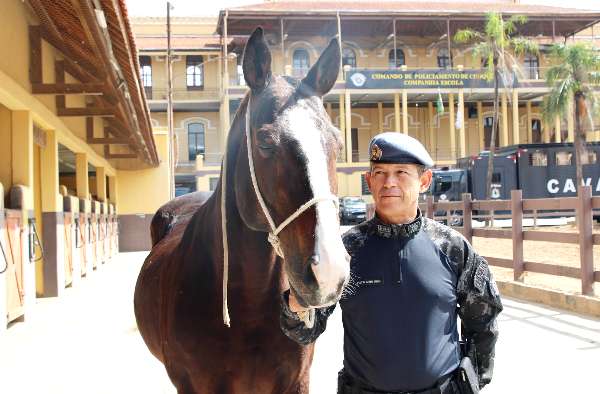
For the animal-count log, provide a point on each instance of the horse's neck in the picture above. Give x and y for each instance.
(254, 269)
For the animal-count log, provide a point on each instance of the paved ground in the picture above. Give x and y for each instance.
(87, 342)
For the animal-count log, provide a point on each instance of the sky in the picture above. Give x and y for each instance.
(211, 8)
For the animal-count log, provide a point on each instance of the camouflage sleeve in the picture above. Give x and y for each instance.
(295, 329)
(479, 305)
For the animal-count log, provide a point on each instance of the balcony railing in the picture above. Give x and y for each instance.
(185, 94)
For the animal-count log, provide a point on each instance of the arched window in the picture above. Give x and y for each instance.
(532, 67)
(195, 140)
(194, 72)
(300, 63)
(397, 59)
(443, 58)
(349, 57)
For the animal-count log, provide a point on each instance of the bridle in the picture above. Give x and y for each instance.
(273, 236)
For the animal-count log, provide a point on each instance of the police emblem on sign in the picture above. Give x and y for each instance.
(376, 152)
(358, 79)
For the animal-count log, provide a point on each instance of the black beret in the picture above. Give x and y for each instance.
(395, 147)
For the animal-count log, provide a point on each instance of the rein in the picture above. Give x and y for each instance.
(273, 236)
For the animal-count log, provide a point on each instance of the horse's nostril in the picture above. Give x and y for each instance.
(313, 260)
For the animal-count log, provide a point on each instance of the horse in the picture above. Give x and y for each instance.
(279, 168)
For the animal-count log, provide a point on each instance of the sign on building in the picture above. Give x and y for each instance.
(417, 79)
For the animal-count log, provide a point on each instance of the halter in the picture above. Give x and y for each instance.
(273, 236)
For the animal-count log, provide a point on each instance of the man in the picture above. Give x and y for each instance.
(410, 279)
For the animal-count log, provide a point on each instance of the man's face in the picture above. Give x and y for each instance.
(396, 187)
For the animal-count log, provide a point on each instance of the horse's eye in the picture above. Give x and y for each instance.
(265, 140)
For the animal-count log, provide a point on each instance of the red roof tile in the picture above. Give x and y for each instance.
(404, 7)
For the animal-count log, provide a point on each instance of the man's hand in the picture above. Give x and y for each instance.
(294, 305)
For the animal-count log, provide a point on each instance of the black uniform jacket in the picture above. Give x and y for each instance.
(408, 283)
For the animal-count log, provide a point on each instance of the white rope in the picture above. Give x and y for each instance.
(273, 236)
(226, 319)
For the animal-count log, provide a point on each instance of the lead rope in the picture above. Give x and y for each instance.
(273, 237)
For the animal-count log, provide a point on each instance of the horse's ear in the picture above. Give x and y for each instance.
(257, 61)
(323, 74)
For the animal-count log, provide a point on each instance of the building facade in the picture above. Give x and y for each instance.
(398, 61)
(77, 150)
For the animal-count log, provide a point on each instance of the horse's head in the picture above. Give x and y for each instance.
(294, 148)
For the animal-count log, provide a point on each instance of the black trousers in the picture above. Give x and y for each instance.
(348, 385)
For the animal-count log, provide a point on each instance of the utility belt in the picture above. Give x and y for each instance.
(348, 385)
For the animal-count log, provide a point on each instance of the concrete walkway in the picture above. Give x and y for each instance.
(87, 342)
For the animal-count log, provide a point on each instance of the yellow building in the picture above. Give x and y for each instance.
(406, 61)
(76, 147)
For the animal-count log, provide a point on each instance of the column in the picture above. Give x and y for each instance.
(112, 187)
(342, 117)
(462, 131)
(480, 130)
(432, 141)
(504, 121)
(397, 112)
(529, 130)
(22, 174)
(546, 131)
(452, 126)
(348, 128)
(380, 115)
(53, 231)
(404, 107)
(515, 116)
(570, 122)
(557, 136)
(22, 154)
(81, 175)
(101, 183)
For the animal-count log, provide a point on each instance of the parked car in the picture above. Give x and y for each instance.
(352, 210)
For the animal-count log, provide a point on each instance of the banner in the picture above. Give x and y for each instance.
(417, 79)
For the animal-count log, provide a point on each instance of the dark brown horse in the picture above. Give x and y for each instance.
(179, 293)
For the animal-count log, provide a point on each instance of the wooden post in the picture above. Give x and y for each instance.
(516, 199)
(430, 208)
(467, 217)
(586, 255)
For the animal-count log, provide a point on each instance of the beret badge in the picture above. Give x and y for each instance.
(376, 152)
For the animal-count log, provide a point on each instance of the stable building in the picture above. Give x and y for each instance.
(399, 61)
(81, 170)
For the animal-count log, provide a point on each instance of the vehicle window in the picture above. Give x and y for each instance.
(564, 158)
(538, 159)
(443, 184)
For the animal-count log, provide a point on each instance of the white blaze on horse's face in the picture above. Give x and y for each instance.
(333, 269)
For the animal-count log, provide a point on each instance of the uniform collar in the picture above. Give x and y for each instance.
(396, 231)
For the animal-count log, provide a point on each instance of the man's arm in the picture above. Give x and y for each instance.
(295, 329)
(479, 305)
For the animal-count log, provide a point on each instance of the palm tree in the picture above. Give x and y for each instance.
(576, 69)
(494, 47)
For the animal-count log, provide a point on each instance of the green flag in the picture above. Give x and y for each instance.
(439, 105)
